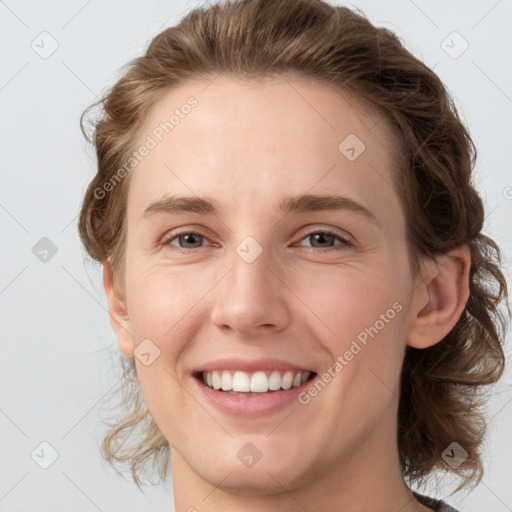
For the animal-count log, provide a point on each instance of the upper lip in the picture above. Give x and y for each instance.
(252, 365)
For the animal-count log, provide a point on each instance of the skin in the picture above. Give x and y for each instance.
(248, 144)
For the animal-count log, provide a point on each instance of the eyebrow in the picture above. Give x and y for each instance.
(292, 204)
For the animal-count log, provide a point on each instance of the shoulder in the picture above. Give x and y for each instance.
(437, 505)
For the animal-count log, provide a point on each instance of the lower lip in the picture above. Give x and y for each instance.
(251, 405)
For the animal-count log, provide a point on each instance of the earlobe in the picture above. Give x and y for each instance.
(439, 300)
(119, 319)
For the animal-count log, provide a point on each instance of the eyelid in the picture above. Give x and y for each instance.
(312, 229)
(172, 235)
(346, 239)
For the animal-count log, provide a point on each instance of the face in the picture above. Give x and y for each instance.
(262, 286)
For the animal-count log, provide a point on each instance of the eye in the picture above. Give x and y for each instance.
(186, 240)
(189, 240)
(325, 238)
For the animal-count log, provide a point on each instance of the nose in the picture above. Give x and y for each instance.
(251, 300)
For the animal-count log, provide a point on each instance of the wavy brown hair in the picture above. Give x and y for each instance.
(442, 387)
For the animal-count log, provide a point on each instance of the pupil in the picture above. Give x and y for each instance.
(189, 238)
(322, 236)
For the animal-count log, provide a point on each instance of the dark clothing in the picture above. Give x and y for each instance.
(437, 505)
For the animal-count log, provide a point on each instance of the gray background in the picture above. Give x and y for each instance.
(56, 362)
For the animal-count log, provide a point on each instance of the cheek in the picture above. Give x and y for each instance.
(349, 301)
(164, 300)
(360, 317)
(162, 306)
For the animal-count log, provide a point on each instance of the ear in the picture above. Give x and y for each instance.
(117, 311)
(440, 298)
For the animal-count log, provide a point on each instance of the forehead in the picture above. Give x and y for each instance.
(236, 139)
(228, 102)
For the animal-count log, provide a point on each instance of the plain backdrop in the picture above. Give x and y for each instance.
(56, 368)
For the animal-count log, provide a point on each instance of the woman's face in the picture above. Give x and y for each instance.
(260, 281)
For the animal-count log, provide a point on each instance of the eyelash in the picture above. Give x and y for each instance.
(166, 243)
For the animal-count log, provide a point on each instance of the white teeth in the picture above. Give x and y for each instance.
(287, 380)
(257, 382)
(241, 382)
(216, 382)
(274, 383)
(226, 381)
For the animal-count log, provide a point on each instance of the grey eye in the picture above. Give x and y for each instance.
(190, 240)
(321, 238)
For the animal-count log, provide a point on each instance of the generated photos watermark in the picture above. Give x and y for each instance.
(152, 140)
(356, 346)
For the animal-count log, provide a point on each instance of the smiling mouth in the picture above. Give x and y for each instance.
(262, 382)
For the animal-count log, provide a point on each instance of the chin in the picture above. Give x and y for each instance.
(253, 482)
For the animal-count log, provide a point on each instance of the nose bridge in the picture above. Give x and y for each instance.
(250, 295)
(251, 267)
